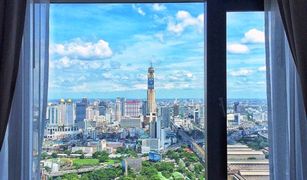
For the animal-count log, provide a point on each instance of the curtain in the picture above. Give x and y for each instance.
(286, 113)
(12, 13)
(294, 17)
(23, 142)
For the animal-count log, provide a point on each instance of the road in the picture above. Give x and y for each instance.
(81, 170)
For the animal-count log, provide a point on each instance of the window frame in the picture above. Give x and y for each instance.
(216, 72)
(216, 65)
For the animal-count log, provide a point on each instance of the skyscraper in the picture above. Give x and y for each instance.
(102, 107)
(81, 110)
(151, 96)
(117, 109)
(165, 117)
(196, 116)
(123, 104)
(62, 112)
(133, 108)
(69, 114)
(151, 104)
(52, 114)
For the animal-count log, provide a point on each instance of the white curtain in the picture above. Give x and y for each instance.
(287, 117)
(20, 155)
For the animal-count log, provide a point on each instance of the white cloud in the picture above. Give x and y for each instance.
(183, 20)
(253, 36)
(237, 48)
(241, 72)
(262, 69)
(158, 7)
(138, 10)
(81, 50)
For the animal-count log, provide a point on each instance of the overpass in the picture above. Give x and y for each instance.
(77, 171)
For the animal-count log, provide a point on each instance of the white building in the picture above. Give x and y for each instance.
(131, 122)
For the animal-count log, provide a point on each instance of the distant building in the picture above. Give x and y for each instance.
(53, 114)
(176, 110)
(69, 114)
(91, 112)
(154, 156)
(81, 110)
(123, 104)
(62, 112)
(133, 108)
(151, 95)
(245, 163)
(118, 111)
(165, 117)
(233, 119)
(151, 144)
(131, 122)
(238, 108)
(102, 108)
(196, 116)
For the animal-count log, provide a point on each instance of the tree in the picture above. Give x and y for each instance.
(149, 171)
(198, 168)
(54, 155)
(68, 152)
(166, 168)
(102, 156)
(44, 155)
(72, 176)
(82, 156)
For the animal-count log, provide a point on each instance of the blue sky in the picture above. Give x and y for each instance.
(104, 50)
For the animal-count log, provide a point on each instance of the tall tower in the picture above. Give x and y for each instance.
(151, 96)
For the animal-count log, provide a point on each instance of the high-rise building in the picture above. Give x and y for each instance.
(144, 108)
(52, 114)
(151, 96)
(196, 116)
(236, 107)
(131, 122)
(102, 107)
(81, 110)
(69, 113)
(165, 117)
(118, 111)
(133, 108)
(62, 112)
(176, 109)
(91, 112)
(123, 104)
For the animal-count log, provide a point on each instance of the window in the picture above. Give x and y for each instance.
(126, 91)
(247, 125)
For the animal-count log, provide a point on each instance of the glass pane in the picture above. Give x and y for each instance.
(126, 91)
(247, 125)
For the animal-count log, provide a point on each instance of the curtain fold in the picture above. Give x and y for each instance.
(12, 17)
(294, 18)
(286, 112)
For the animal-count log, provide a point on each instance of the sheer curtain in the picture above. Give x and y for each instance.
(22, 145)
(287, 117)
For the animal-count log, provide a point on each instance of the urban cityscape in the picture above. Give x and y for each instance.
(155, 139)
(152, 138)
(126, 95)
